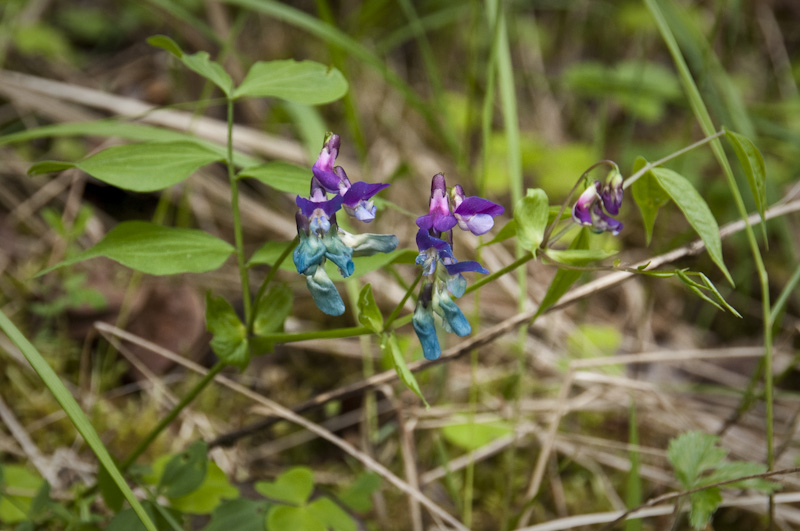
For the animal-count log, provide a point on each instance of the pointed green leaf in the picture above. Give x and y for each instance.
(49, 166)
(157, 250)
(230, 335)
(473, 435)
(331, 515)
(754, 169)
(201, 63)
(648, 196)
(369, 314)
(298, 81)
(703, 504)
(579, 257)
(693, 453)
(185, 471)
(149, 166)
(165, 43)
(389, 346)
(531, 214)
(564, 278)
(280, 176)
(293, 486)
(273, 309)
(697, 213)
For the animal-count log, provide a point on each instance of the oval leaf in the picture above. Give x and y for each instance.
(293, 486)
(299, 81)
(165, 43)
(280, 176)
(648, 196)
(230, 335)
(49, 166)
(564, 278)
(201, 63)
(369, 314)
(157, 250)
(696, 211)
(272, 310)
(531, 215)
(389, 346)
(148, 167)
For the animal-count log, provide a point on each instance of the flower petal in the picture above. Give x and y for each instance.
(361, 191)
(369, 244)
(325, 295)
(477, 205)
(329, 207)
(466, 265)
(425, 241)
(425, 328)
(308, 254)
(339, 253)
(452, 316)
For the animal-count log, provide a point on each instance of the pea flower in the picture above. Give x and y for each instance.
(321, 239)
(440, 269)
(356, 198)
(598, 203)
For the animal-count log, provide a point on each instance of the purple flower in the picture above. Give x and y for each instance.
(439, 217)
(323, 168)
(611, 193)
(358, 200)
(474, 214)
(589, 210)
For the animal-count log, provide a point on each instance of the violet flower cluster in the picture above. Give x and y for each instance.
(440, 269)
(598, 203)
(321, 238)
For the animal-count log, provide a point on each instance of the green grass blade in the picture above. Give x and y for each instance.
(74, 412)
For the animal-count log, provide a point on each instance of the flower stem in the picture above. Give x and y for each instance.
(399, 307)
(292, 337)
(650, 165)
(527, 257)
(185, 401)
(237, 220)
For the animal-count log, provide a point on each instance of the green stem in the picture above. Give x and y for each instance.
(287, 337)
(527, 257)
(399, 307)
(237, 220)
(272, 272)
(180, 406)
(650, 165)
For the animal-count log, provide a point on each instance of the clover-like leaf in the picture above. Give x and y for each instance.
(293, 486)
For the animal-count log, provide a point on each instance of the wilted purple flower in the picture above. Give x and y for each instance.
(474, 214)
(440, 268)
(589, 209)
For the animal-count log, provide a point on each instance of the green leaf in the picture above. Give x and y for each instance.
(358, 496)
(280, 176)
(696, 211)
(298, 81)
(369, 314)
(198, 62)
(49, 166)
(269, 253)
(703, 505)
(331, 515)
(209, 495)
(165, 43)
(718, 296)
(531, 214)
(157, 250)
(185, 471)
(693, 453)
(754, 169)
(648, 196)
(293, 486)
(579, 257)
(201, 63)
(272, 310)
(564, 278)
(230, 335)
(75, 414)
(473, 435)
(239, 514)
(389, 346)
(16, 478)
(738, 469)
(283, 517)
(149, 166)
